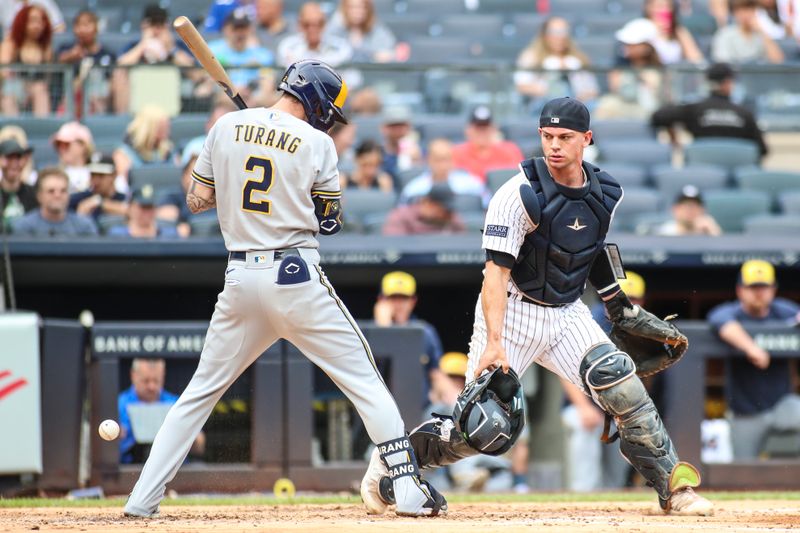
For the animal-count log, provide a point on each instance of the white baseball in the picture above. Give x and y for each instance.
(109, 429)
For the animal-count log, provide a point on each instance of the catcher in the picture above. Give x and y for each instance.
(544, 238)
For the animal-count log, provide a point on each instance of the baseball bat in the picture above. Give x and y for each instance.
(202, 52)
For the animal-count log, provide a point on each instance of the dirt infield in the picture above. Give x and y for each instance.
(733, 515)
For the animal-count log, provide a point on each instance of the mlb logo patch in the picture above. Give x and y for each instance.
(260, 259)
(555, 120)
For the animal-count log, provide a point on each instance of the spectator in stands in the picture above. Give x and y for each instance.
(344, 137)
(157, 45)
(774, 16)
(16, 197)
(759, 389)
(635, 83)
(432, 213)
(395, 307)
(311, 42)
(239, 49)
(29, 41)
(715, 115)
(484, 150)
(146, 141)
(172, 205)
(84, 52)
(10, 8)
(674, 43)
(271, 26)
(53, 219)
(142, 222)
(358, 24)
(689, 216)
(368, 173)
(74, 144)
(400, 142)
(745, 41)
(554, 50)
(12, 131)
(441, 169)
(147, 386)
(102, 198)
(365, 102)
(219, 10)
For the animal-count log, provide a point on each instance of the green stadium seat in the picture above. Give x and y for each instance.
(790, 202)
(496, 178)
(186, 126)
(161, 177)
(106, 222)
(772, 225)
(671, 180)
(107, 128)
(772, 181)
(641, 151)
(464, 203)
(474, 220)
(730, 208)
(35, 127)
(728, 153)
(204, 225)
(472, 24)
(358, 203)
(627, 174)
(636, 202)
(621, 129)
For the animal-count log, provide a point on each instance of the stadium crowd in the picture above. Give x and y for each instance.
(413, 161)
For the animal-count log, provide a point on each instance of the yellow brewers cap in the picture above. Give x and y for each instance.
(757, 272)
(398, 283)
(633, 286)
(454, 363)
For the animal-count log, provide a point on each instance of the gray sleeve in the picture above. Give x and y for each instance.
(382, 38)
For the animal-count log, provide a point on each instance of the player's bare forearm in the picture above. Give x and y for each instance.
(200, 198)
(494, 298)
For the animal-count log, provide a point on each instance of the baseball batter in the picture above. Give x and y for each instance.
(272, 175)
(544, 238)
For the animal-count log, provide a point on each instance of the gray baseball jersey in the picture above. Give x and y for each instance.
(264, 165)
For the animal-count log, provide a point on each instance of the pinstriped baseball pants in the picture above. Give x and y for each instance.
(554, 337)
(252, 312)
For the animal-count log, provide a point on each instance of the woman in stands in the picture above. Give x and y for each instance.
(357, 23)
(29, 43)
(146, 142)
(74, 144)
(554, 50)
(368, 173)
(674, 43)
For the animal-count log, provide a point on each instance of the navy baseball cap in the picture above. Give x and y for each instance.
(565, 113)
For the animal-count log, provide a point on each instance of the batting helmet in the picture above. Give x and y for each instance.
(490, 412)
(319, 88)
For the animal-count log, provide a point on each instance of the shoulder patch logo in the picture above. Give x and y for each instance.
(496, 231)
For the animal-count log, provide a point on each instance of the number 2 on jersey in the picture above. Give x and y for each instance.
(262, 185)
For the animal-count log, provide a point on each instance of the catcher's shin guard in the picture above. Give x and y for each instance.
(403, 486)
(611, 376)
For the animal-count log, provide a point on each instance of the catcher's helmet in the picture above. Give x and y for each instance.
(319, 88)
(490, 412)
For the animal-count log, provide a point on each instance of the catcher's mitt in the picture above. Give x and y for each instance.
(652, 343)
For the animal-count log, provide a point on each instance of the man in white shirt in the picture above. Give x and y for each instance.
(311, 42)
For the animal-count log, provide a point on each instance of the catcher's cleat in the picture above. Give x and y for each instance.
(132, 513)
(686, 502)
(370, 485)
(683, 499)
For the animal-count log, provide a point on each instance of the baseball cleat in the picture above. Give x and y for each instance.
(417, 497)
(371, 485)
(686, 502)
(130, 513)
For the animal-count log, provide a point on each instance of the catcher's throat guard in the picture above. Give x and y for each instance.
(490, 412)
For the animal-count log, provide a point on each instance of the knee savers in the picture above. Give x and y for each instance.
(611, 377)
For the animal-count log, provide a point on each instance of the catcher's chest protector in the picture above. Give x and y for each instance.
(554, 261)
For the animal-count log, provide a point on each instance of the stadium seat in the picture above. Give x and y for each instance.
(728, 153)
(472, 24)
(730, 208)
(186, 126)
(522, 129)
(772, 225)
(35, 127)
(599, 48)
(496, 178)
(44, 154)
(107, 128)
(439, 50)
(358, 203)
(771, 181)
(449, 127)
(161, 177)
(367, 127)
(391, 79)
(637, 201)
(464, 203)
(117, 42)
(474, 220)
(408, 25)
(605, 24)
(204, 225)
(105, 222)
(404, 177)
(646, 223)
(699, 23)
(641, 151)
(373, 224)
(503, 50)
(528, 25)
(627, 174)
(790, 202)
(620, 129)
(507, 6)
(439, 7)
(670, 180)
